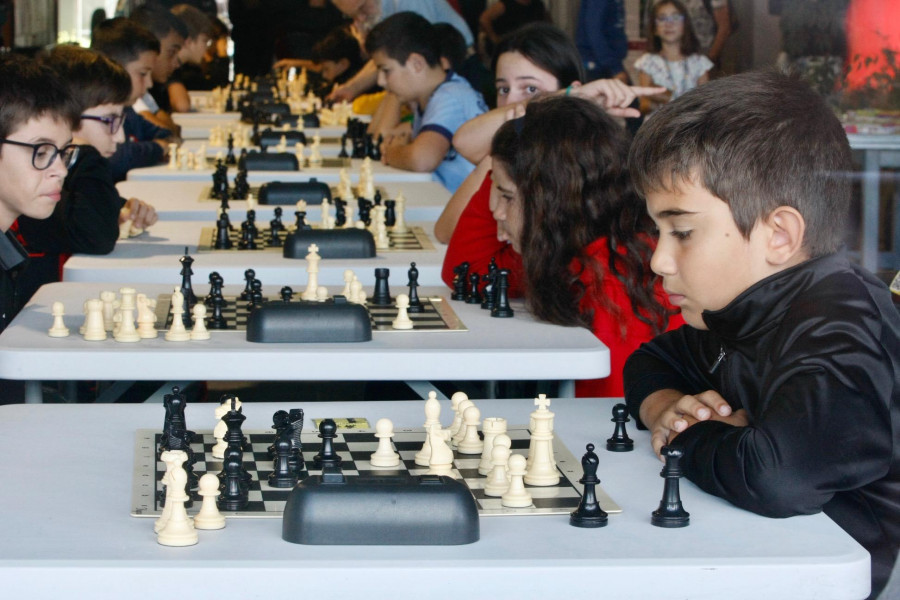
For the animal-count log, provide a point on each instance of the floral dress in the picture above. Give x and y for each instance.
(676, 76)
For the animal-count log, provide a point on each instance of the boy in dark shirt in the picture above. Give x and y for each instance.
(783, 389)
(88, 215)
(36, 120)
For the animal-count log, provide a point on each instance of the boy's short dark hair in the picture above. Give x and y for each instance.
(31, 91)
(123, 40)
(402, 34)
(159, 21)
(337, 45)
(194, 19)
(92, 79)
(451, 43)
(757, 141)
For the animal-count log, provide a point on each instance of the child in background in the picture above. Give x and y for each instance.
(674, 61)
(407, 56)
(784, 390)
(338, 58)
(171, 33)
(135, 48)
(584, 237)
(36, 120)
(190, 57)
(87, 217)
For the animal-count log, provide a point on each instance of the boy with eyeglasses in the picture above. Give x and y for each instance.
(36, 121)
(86, 220)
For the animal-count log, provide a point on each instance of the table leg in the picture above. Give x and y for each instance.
(33, 392)
(868, 244)
(566, 388)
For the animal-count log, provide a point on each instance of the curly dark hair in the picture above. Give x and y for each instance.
(568, 159)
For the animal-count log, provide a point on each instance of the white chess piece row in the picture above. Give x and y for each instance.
(174, 527)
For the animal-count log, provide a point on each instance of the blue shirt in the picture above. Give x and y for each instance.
(435, 11)
(453, 103)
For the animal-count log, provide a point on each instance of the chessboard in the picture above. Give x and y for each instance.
(206, 195)
(355, 447)
(413, 239)
(437, 316)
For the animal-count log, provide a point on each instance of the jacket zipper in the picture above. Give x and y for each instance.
(719, 360)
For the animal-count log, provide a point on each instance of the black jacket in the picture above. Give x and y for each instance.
(813, 355)
(13, 260)
(85, 221)
(139, 149)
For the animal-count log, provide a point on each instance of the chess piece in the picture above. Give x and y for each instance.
(487, 292)
(287, 293)
(620, 442)
(541, 468)
(283, 476)
(516, 495)
(177, 530)
(441, 460)
(94, 330)
(348, 279)
(110, 304)
(249, 276)
(589, 514)
(312, 270)
(471, 443)
(186, 290)
(126, 331)
(415, 305)
(146, 317)
(460, 278)
(177, 331)
(497, 482)
(327, 457)
(491, 427)
(384, 455)
(432, 417)
(234, 480)
(402, 321)
(58, 329)
(473, 296)
(199, 332)
(209, 516)
(400, 215)
(460, 431)
(670, 512)
(501, 307)
(381, 296)
(455, 401)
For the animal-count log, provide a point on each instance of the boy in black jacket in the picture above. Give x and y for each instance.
(782, 389)
(87, 218)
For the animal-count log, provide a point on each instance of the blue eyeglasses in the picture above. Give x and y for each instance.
(670, 19)
(43, 154)
(114, 122)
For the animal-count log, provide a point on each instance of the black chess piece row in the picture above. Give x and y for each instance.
(493, 296)
(288, 466)
(176, 436)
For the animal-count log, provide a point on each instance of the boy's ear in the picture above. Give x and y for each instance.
(416, 62)
(787, 230)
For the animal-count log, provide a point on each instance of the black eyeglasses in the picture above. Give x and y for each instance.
(43, 154)
(114, 122)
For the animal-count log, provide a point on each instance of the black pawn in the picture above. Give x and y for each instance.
(589, 514)
(620, 442)
(256, 295)
(490, 280)
(460, 280)
(282, 476)
(215, 288)
(473, 297)
(327, 457)
(390, 213)
(501, 303)
(670, 512)
(301, 224)
(217, 320)
(249, 276)
(229, 159)
(343, 152)
(415, 305)
(382, 294)
(287, 294)
(223, 237)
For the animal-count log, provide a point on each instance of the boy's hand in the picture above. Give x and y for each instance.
(141, 214)
(666, 413)
(393, 139)
(614, 95)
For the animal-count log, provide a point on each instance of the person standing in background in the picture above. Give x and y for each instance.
(601, 40)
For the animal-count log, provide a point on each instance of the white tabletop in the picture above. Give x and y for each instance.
(185, 200)
(68, 527)
(491, 348)
(197, 125)
(380, 174)
(327, 150)
(152, 257)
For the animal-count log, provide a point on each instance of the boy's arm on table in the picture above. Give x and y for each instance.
(800, 444)
(424, 153)
(357, 84)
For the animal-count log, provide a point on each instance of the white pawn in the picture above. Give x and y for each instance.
(460, 433)
(251, 201)
(516, 495)
(384, 455)
(348, 279)
(58, 329)
(471, 443)
(199, 331)
(441, 461)
(173, 156)
(356, 290)
(209, 516)
(432, 417)
(321, 294)
(455, 399)
(221, 428)
(400, 214)
(402, 321)
(110, 304)
(492, 427)
(497, 483)
(94, 331)
(177, 332)
(298, 152)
